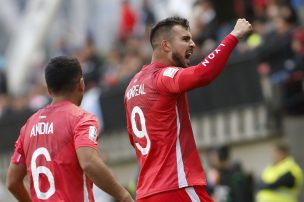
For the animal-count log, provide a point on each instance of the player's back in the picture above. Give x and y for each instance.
(159, 129)
(49, 148)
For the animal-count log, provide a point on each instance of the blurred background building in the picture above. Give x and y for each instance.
(258, 100)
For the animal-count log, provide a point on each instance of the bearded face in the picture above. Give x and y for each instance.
(179, 60)
(182, 46)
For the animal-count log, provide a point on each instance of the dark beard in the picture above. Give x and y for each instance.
(178, 60)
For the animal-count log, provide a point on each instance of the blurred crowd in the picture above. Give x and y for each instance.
(281, 180)
(277, 41)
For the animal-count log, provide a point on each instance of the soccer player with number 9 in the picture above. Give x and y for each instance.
(157, 112)
(57, 147)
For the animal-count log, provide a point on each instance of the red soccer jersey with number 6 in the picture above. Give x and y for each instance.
(159, 124)
(47, 146)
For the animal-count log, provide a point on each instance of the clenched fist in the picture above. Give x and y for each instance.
(241, 28)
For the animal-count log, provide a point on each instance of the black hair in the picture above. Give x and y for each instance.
(223, 153)
(62, 73)
(282, 147)
(165, 25)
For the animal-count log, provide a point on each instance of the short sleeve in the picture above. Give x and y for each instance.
(86, 132)
(18, 156)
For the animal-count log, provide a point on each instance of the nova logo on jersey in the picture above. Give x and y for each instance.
(170, 72)
(42, 128)
(93, 133)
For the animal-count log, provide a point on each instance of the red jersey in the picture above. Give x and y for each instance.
(47, 146)
(159, 124)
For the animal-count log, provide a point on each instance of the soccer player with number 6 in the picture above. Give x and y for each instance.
(57, 147)
(157, 112)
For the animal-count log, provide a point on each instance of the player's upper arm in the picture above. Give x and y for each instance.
(15, 175)
(167, 79)
(85, 157)
(18, 156)
(177, 80)
(86, 131)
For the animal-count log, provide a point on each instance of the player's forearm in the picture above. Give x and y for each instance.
(209, 68)
(14, 182)
(98, 172)
(20, 192)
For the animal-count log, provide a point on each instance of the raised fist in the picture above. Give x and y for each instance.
(241, 28)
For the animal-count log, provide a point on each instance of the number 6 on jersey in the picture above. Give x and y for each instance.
(38, 170)
(143, 132)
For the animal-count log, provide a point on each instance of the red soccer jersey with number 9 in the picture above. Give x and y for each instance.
(159, 124)
(47, 146)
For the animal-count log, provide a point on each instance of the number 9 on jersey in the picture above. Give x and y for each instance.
(140, 133)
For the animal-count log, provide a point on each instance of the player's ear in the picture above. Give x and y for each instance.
(49, 91)
(165, 46)
(81, 84)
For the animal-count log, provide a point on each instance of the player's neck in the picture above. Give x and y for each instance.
(57, 99)
(160, 58)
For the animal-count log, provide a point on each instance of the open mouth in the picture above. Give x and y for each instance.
(188, 54)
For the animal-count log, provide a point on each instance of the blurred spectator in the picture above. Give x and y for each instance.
(276, 46)
(93, 72)
(3, 84)
(256, 39)
(112, 66)
(4, 105)
(259, 7)
(225, 16)
(91, 103)
(90, 62)
(38, 97)
(282, 180)
(212, 173)
(145, 20)
(181, 8)
(203, 21)
(127, 21)
(299, 6)
(234, 184)
(298, 46)
(60, 47)
(293, 89)
(244, 9)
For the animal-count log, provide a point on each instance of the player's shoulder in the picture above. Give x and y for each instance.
(79, 112)
(68, 110)
(169, 71)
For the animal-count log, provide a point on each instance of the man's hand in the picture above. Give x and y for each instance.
(241, 28)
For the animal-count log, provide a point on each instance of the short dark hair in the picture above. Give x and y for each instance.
(62, 73)
(282, 147)
(165, 25)
(223, 153)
